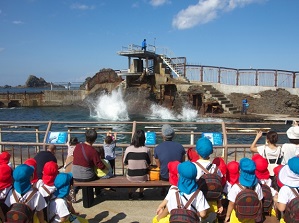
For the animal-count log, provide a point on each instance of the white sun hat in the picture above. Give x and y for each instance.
(293, 132)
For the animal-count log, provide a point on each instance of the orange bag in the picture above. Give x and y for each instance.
(154, 173)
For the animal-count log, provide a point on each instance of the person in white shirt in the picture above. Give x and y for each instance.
(289, 177)
(204, 149)
(59, 206)
(22, 176)
(247, 179)
(187, 186)
(291, 149)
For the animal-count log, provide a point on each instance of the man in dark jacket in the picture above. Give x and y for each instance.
(43, 157)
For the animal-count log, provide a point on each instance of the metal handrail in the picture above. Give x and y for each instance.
(188, 130)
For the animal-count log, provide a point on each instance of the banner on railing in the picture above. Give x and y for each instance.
(215, 137)
(150, 138)
(57, 137)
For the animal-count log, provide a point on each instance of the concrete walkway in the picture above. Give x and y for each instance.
(114, 207)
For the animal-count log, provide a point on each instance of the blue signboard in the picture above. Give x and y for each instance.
(150, 138)
(215, 137)
(57, 137)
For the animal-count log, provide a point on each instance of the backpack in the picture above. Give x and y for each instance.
(267, 200)
(182, 214)
(291, 213)
(210, 183)
(248, 205)
(20, 212)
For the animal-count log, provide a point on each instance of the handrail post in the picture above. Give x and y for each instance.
(192, 138)
(37, 149)
(224, 151)
(46, 134)
(133, 129)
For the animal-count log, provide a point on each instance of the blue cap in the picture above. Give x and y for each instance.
(187, 177)
(21, 176)
(62, 183)
(247, 173)
(204, 147)
(294, 164)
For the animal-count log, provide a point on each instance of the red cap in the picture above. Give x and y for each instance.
(4, 157)
(192, 155)
(50, 172)
(276, 172)
(261, 164)
(6, 176)
(173, 172)
(32, 162)
(232, 174)
(222, 167)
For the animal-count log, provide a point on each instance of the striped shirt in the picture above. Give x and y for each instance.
(137, 161)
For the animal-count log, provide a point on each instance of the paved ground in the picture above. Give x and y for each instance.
(114, 207)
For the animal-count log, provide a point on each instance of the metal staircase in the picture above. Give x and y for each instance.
(171, 65)
(221, 98)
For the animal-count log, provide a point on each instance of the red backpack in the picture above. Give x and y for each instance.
(210, 183)
(248, 205)
(291, 213)
(182, 214)
(20, 212)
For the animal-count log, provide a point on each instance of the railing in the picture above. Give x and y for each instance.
(241, 77)
(24, 139)
(136, 48)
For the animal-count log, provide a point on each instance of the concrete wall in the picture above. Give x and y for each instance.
(56, 98)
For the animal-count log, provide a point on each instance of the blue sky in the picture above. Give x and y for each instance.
(66, 40)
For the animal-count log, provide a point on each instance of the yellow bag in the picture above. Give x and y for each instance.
(154, 173)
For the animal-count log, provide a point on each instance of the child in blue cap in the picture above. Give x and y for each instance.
(187, 186)
(204, 149)
(60, 208)
(247, 179)
(22, 176)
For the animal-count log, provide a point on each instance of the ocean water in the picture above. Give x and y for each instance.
(114, 108)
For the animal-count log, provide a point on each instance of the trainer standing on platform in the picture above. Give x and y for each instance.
(143, 45)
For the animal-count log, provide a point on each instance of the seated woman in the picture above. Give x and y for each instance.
(137, 159)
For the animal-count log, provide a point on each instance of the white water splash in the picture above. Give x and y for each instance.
(159, 112)
(188, 114)
(111, 107)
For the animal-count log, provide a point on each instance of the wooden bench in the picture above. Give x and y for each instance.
(117, 181)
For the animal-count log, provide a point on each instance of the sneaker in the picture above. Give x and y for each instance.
(130, 196)
(141, 196)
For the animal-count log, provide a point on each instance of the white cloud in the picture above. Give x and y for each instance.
(82, 6)
(205, 11)
(17, 22)
(158, 2)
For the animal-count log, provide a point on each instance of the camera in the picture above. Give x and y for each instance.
(289, 122)
(264, 133)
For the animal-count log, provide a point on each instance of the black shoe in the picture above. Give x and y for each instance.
(130, 196)
(141, 196)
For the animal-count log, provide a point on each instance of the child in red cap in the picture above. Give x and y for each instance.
(5, 187)
(162, 212)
